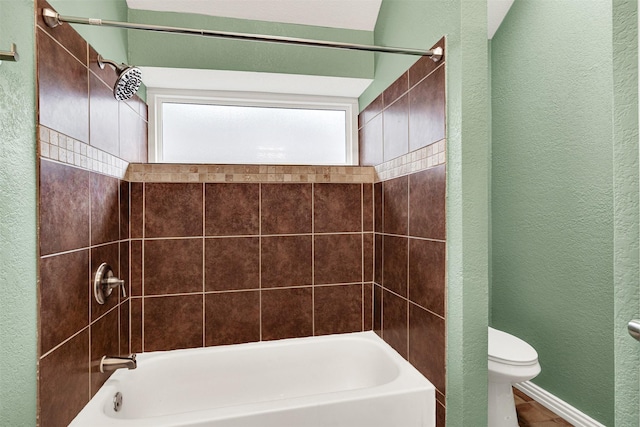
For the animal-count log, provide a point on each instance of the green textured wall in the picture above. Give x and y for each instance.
(468, 165)
(18, 252)
(419, 25)
(626, 216)
(177, 50)
(552, 194)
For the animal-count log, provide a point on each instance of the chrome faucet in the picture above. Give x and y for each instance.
(111, 363)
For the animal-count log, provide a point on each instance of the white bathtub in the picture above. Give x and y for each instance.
(349, 380)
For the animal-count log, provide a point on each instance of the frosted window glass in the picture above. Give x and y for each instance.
(197, 133)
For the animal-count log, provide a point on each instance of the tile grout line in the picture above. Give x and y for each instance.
(204, 233)
(408, 100)
(88, 326)
(85, 248)
(337, 233)
(90, 281)
(142, 291)
(260, 257)
(313, 262)
(373, 249)
(382, 215)
(65, 341)
(362, 260)
(119, 260)
(373, 253)
(63, 46)
(427, 310)
(408, 254)
(130, 257)
(71, 251)
(413, 303)
(232, 291)
(415, 237)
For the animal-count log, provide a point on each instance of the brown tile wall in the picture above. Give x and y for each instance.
(83, 217)
(409, 214)
(225, 263)
(222, 263)
(408, 115)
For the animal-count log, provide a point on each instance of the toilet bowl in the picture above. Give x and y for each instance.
(511, 360)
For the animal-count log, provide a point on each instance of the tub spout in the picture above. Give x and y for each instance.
(111, 363)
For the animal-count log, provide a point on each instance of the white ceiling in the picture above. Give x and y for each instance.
(350, 14)
(496, 11)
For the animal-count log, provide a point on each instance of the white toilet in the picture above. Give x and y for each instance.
(511, 360)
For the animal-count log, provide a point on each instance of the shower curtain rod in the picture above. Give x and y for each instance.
(53, 19)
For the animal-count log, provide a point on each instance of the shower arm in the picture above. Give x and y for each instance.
(118, 67)
(53, 19)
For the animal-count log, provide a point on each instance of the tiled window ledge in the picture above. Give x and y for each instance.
(248, 173)
(423, 158)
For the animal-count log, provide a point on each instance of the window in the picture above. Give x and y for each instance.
(239, 128)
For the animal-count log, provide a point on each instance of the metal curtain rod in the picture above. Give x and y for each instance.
(53, 19)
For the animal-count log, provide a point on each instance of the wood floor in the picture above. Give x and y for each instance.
(532, 414)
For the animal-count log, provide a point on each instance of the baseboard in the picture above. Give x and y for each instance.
(558, 406)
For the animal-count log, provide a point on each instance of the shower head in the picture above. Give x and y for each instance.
(129, 79)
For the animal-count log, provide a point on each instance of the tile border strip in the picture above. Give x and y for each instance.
(162, 172)
(415, 161)
(56, 146)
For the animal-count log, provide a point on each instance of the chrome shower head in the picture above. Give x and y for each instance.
(129, 79)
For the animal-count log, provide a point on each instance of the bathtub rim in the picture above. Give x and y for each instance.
(408, 381)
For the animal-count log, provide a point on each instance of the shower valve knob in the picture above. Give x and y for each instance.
(104, 282)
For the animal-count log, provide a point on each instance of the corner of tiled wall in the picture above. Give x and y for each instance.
(85, 141)
(402, 135)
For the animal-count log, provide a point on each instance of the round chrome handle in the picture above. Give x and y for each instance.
(104, 282)
(634, 328)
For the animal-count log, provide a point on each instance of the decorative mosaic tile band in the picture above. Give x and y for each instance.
(56, 146)
(247, 173)
(415, 161)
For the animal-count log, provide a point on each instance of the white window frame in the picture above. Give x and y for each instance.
(156, 97)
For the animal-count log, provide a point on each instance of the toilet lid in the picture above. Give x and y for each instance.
(505, 348)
